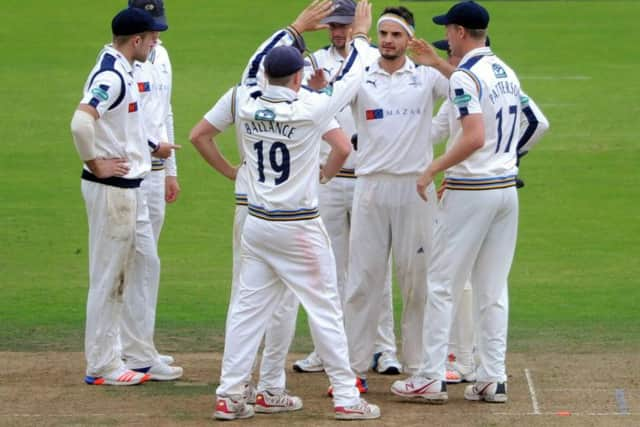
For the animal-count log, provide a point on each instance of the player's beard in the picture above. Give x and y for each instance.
(390, 56)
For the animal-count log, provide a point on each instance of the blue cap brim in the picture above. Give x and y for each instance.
(441, 20)
(441, 45)
(160, 23)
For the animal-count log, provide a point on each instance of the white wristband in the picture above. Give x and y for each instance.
(83, 131)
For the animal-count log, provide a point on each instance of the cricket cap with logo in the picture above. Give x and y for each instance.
(134, 21)
(283, 61)
(467, 14)
(154, 7)
(343, 13)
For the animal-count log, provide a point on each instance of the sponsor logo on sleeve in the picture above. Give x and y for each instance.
(462, 100)
(100, 93)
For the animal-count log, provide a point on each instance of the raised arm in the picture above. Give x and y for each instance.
(308, 20)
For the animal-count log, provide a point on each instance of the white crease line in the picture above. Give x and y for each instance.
(532, 392)
(565, 414)
(623, 409)
(113, 415)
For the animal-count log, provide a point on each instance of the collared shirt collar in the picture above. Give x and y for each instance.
(479, 51)
(407, 67)
(279, 93)
(125, 63)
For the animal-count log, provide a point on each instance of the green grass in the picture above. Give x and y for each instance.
(574, 284)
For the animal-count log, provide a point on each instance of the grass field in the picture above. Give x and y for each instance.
(574, 284)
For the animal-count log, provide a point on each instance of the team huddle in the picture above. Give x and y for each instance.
(334, 192)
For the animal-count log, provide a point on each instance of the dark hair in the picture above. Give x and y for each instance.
(401, 11)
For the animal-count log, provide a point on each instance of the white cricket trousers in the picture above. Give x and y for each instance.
(335, 201)
(280, 329)
(277, 255)
(474, 237)
(462, 329)
(138, 325)
(117, 234)
(388, 215)
(153, 187)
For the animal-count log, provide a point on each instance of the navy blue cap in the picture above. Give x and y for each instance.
(283, 61)
(134, 21)
(444, 44)
(154, 7)
(468, 14)
(343, 13)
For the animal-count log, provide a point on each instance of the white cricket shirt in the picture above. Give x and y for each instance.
(111, 90)
(393, 118)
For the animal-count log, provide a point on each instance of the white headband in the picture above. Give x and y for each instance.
(398, 20)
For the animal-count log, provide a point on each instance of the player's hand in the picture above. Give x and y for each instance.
(422, 52)
(317, 80)
(423, 183)
(164, 150)
(519, 182)
(106, 168)
(362, 19)
(171, 189)
(309, 19)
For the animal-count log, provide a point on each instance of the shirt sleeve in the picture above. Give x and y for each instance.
(533, 124)
(222, 115)
(440, 124)
(333, 124)
(253, 74)
(464, 93)
(104, 92)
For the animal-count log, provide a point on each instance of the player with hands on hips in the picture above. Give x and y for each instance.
(109, 134)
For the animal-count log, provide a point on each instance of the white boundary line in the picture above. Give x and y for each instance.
(532, 392)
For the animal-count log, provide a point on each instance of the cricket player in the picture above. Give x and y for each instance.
(109, 134)
(281, 129)
(336, 197)
(153, 81)
(392, 110)
(477, 219)
(271, 395)
(533, 124)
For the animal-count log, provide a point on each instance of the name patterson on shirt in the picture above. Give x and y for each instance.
(502, 88)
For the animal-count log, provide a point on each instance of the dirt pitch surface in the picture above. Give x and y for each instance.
(544, 389)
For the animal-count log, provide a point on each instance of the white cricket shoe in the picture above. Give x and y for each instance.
(232, 408)
(249, 393)
(458, 372)
(433, 391)
(119, 377)
(311, 363)
(162, 372)
(386, 363)
(268, 402)
(493, 392)
(166, 359)
(360, 411)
